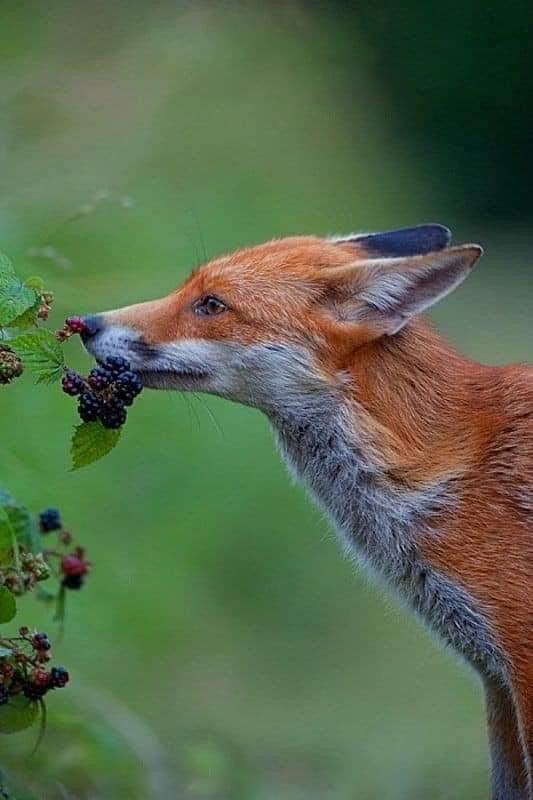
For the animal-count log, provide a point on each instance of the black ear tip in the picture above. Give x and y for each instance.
(442, 234)
(413, 241)
(439, 234)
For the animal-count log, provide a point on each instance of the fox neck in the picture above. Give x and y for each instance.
(381, 455)
(376, 471)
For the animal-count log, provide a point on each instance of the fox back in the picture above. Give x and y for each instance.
(421, 458)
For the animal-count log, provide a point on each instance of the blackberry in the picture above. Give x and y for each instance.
(59, 677)
(126, 398)
(89, 407)
(73, 581)
(40, 641)
(72, 383)
(99, 378)
(33, 691)
(117, 364)
(50, 520)
(113, 414)
(4, 696)
(128, 384)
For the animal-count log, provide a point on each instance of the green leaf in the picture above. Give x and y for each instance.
(7, 538)
(15, 298)
(41, 353)
(8, 605)
(29, 318)
(18, 714)
(23, 523)
(25, 528)
(90, 442)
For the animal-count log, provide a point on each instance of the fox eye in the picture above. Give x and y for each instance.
(209, 305)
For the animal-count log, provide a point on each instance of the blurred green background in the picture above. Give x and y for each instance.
(223, 648)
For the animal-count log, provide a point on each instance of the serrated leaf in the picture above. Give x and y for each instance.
(18, 714)
(23, 523)
(29, 318)
(15, 298)
(41, 353)
(25, 528)
(90, 442)
(8, 605)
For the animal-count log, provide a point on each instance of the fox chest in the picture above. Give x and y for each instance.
(382, 526)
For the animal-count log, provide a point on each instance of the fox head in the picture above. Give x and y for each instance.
(276, 325)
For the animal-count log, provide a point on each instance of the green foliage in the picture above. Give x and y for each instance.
(90, 442)
(17, 715)
(24, 562)
(22, 522)
(42, 353)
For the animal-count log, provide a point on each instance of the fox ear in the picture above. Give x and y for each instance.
(386, 293)
(417, 240)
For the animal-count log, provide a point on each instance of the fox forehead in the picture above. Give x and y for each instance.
(295, 259)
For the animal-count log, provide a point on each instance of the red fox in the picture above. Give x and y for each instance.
(421, 458)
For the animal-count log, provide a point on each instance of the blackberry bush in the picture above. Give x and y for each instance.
(37, 554)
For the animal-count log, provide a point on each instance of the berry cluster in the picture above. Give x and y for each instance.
(10, 365)
(31, 569)
(105, 393)
(22, 667)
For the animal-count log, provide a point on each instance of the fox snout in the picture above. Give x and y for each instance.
(159, 365)
(102, 339)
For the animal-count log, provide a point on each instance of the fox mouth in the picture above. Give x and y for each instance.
(179, 366)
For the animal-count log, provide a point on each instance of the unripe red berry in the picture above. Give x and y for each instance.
(74, 565)
(75, 325)
(41, 677)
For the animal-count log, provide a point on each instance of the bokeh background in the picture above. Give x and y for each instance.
(223, 647)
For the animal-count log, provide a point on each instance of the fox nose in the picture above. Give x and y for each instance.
(92, 325)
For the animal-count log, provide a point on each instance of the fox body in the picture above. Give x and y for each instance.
(421, 458)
